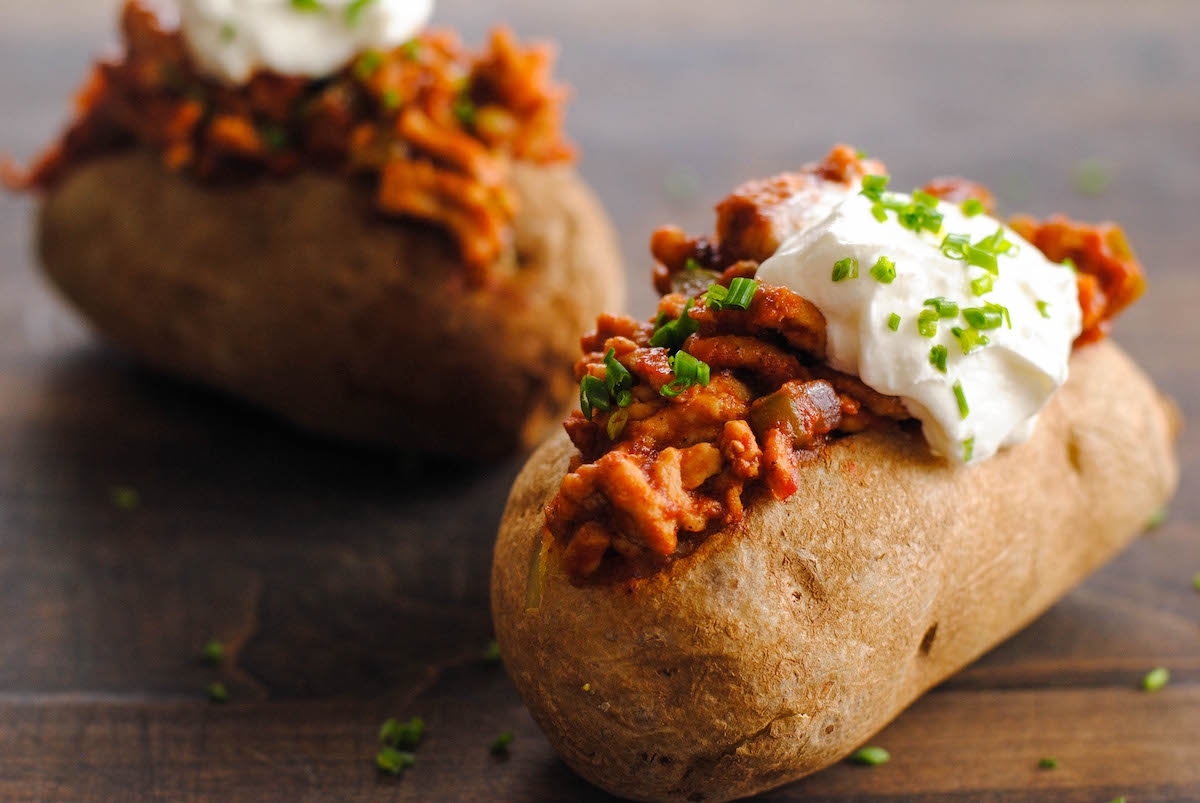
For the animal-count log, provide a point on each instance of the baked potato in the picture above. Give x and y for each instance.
(399, 254)
(695, 607)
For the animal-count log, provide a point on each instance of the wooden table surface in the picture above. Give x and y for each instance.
(352, 587)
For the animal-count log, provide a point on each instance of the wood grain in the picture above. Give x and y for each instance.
(351, 587)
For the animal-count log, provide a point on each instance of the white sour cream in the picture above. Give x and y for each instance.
(232, 39)
(1004, 384)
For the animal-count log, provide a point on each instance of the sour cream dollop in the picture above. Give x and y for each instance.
(1003, 385)
(232, 39)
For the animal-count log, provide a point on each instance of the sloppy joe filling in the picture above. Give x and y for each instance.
(729, 391)
(430, 125)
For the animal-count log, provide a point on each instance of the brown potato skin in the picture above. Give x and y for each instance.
(780, 646)
(296, 295)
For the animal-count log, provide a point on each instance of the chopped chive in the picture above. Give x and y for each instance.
(954, 246)
(616, 424)
(845, 269)
(1043, 308)
(393, 761)
(894, 322)
(402, 735)
(368, 64)
(741, 293)
(391, 99)
(616, 377)
(961, 398)
(688, 372)
(672, 334)
(1091, 177)
(870, 756)
(981, 259)
(873, 186)
(1003, 310)
(213, 652)
(972, 207)
(307, 5)
(714, 297)
(464, 109)
(1196, 581)
(1156, 679)
(884, 270)
(491, 654)
(593, 394)
(969, 339)
(982, 285)
(228, 32)
(937, 357)
(983, 317)
(500, 746)
(1069, 263)
(355, 10)
(411, 49)
(922, 197)
(1049, 763)
(125, 498)
(217, 693)
(968, 449)
(944, 307)
(879, 212)
(927, 323)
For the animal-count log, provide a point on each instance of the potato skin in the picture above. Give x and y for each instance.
(781, 645)
(295, 295)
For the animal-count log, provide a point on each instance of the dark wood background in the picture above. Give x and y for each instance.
(352, 587)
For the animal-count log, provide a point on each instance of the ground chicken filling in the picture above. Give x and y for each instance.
(431, 125)
(662, 461)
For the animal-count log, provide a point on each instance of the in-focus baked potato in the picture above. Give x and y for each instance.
(399, 254)
(742, 572)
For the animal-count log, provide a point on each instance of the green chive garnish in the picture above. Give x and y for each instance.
(961, 398)
(213, 653)
(972, 207)
(307, 5)
(870, 756)
(937, 357)
(688, 372)
(981, 259)
(500, 746)
(1048, 764)
(968, 449)
(873, 186)
(354, 11)
(672, 334)
(125, 498)
(593, 394)
(884, 270)
(845, 269)
(1196, 581)
(944, 307)
(982, 285)
(741, 293)
(617, 378)
(411, 49)
(391, 99)
(1156, 679)
(217, 693)
(924, 198)
(894, 322)
(393, 761)
(970, 339)
(983, 317)
(402, 735)
(616, 424)
(464, 110)
(368, 64)
(954, 246)
(228, 32)
(927, 323)
(1044, 308)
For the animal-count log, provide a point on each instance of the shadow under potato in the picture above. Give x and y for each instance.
(357, 570)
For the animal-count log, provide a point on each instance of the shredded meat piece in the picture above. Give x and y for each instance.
(647, 491)
(1109, 275)
(435, 126)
